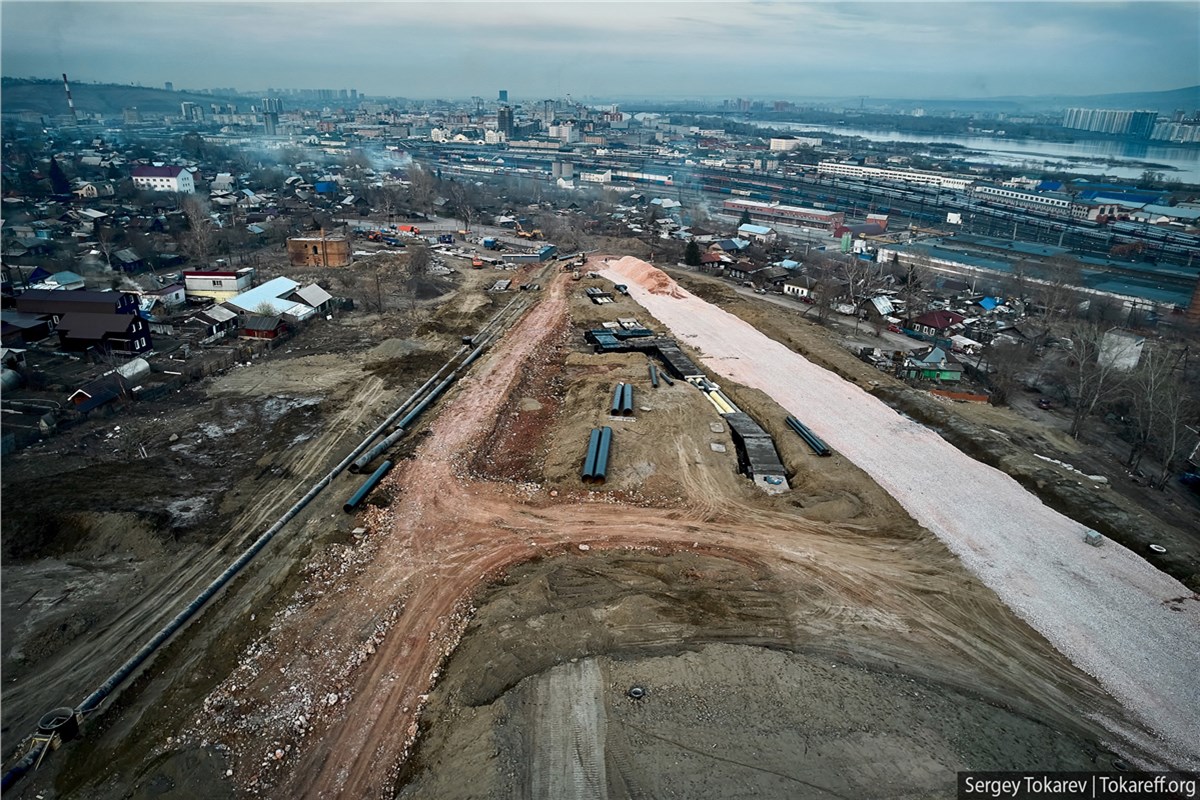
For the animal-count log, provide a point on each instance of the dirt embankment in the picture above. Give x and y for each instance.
(1005, 442)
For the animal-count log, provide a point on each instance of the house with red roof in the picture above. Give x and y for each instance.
(164, 179)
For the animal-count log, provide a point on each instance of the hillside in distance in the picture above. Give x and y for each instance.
(47, 97)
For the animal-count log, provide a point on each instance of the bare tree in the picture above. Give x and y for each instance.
(198, 239)
(1004, 363)
(1092, 371)
(1057, 294)
(418, 259)
(1178, 404)
(462, 198)
(422, 190)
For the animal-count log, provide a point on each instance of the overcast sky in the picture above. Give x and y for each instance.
(756, 48)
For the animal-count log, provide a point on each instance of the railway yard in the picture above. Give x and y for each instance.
(487, 624)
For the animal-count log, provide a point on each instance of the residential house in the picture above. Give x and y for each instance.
(313, 295)
(12, 357)
(218, 285)
(932, 364)
(263, 327)
(757, 233)
(63, 281)
(109, 333)
(90, 190)
(56, 303)
(99, 393)
(212, 323)
(164, 179)
(941, 324)
(802, 287)
(17, 328)
(127, 260)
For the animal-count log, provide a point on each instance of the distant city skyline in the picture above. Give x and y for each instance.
(755, 48)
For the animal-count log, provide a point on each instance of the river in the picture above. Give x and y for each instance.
(1093, 157)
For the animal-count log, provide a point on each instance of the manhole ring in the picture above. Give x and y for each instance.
(636, 692)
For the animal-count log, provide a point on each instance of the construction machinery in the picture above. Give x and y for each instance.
(534, 234)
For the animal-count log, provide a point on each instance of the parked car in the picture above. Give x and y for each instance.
(1045, 403)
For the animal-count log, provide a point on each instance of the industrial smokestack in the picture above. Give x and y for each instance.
(70, 101)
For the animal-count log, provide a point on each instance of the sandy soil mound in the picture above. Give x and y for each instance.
(650, 278)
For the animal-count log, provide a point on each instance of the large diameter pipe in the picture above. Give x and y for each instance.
(819, 447)
(375, 452)
(627, 400)
(365, 489)
(589, 460)
(424, 404)
(653, 370)
(601, 469)
(618, 394)
(666, 376)
(93, 700)
(18, 770)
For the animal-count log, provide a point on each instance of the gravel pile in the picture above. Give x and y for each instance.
(1105, 608)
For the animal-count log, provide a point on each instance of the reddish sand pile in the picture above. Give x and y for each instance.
(650, 278)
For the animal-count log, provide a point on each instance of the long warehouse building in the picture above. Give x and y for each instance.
(774, 212)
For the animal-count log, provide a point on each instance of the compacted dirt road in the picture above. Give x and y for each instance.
(330, 701)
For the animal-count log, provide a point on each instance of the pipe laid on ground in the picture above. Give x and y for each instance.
(653, 370)
(627, 400)
(93, 700)
(662, 373)
(819, 447)
(600, 472)
(378, 450)
(589, 460)
(18, 770)
(365, 489)
(618, 394)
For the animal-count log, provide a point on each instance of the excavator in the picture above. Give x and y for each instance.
(534, 234)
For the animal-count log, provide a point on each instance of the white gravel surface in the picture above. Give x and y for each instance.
(1104, 608)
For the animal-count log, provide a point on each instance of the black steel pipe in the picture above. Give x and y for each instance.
(361, 493)
(93, 700)
(378, 450)
(589, 460)
(819, 447)
(600, 472)
(18, 770)
(653, 370)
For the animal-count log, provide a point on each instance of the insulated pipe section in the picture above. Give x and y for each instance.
(589, 460)
(627, 400)
(365, 489)
(811, 439)
(653, 370)
(666, 377)
(725, 399)
(618, 398)
(600, 471)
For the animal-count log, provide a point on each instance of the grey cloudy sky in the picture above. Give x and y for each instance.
(758, 48)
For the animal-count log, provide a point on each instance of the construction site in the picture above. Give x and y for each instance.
(583, 535)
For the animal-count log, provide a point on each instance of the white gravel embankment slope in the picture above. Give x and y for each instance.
(1102, 607)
